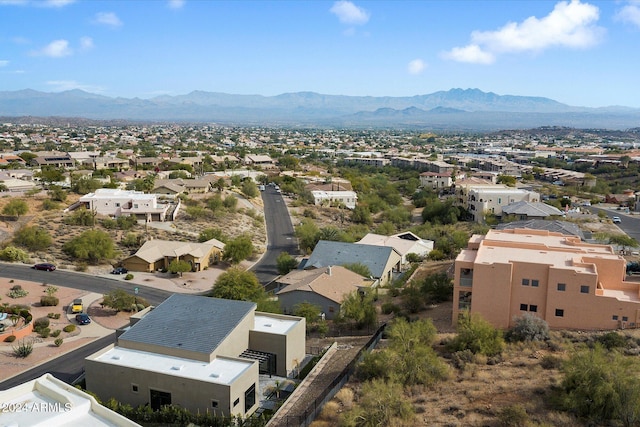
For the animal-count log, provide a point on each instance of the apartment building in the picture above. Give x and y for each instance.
(568, 283)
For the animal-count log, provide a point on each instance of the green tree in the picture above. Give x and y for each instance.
(81, 216)
(119, 300)
(358, 307)
(507, 180)
(238, 284)
(92, 246)
(220, 184)
(361, 215)
(358, 268)
(311, 313)
(179, 266)
(12, 254)
(437, 287)
(381, 403)
(477, 335)
(249, 188)
(286, 263)
(289, 162)
(308, 234)
(15, 208)
(238, 249)
(57, 194)
(49, 174)
(230, 202)
(211, 233)
(33, 238)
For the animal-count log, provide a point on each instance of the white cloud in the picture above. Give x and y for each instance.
(86, 43)
(349, 13)
(3, 62)
(55, 49)
(471, 53)
(62, 85)
(630, 13)
(570, 24)
(58, 3)
(108, 18)
(416, 66)
(176, 4)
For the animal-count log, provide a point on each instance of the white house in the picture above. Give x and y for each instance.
(492, 199)
(435, 180)
(116, 202)
(404, 243)
(347, 198)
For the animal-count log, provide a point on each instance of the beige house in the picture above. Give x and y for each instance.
(568, 283)
(404, 243)
(200, 353)
(48, 401)
(157, 255)
(324, 287)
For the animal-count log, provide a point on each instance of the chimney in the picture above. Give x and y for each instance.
(329, 271)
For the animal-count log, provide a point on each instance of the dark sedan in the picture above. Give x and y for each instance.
(83, 319)
(46, 266)
(119, 270)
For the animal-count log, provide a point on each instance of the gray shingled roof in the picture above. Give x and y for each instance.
(328, 253)
(189, 322)
(557, 226)
(533, 209)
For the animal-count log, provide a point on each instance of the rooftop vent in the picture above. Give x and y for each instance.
(215, 375)
(177, 367)
(115, 357)
(267, 325)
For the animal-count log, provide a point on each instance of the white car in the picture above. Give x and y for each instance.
(616, 220)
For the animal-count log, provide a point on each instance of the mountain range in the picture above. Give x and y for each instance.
(454, 110)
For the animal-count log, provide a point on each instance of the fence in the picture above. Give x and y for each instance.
(312, 411)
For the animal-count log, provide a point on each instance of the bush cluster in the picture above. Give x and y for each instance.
(69, 328)
(49, 301)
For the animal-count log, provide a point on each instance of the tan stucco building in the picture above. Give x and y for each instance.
(157, 254)
(568, 283)
(200, 353)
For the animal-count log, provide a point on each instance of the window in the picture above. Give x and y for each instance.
(562, 287)
(615, 317)
(559, 312)
(533, 308)
(250, 397)
(117, 205)
(535, 283)
(214, 403)
(159, 399)
(584, 289)
(523, 307)
(625, 319)
(134, 388)
(235, 402)
(525, 282)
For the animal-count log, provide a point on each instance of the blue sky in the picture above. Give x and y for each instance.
(584, 53)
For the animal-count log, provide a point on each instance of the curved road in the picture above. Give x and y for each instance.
(69, 367)
(630, 223)
(280, 237)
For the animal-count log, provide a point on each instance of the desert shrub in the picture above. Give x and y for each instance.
(373, 365)
(437, 287)
(513, 415)
(477, 335)
(16, 288)
(528, 327)
(10, 338)
(28, 319)
(53, 315)
(140, 307)
(23, 349)
(129, 276)
(612, 340)
(50, 205)
(44, 333)
(462, 358)
(69, 328)
(142, 301)
(17, 293)
(389, 307)
(56, 333)
(11, 253)
(81, 266)
(49, 301)
(41, 323)
(58, 342)
(551, 361)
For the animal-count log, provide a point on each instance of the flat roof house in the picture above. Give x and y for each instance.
(568, 283)
(116, 202)
(49, 402)
(203, 354)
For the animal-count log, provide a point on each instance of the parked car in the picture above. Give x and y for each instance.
(119, 270)
(616, 220)
(83, 319)
(46, 266)
(76, 306)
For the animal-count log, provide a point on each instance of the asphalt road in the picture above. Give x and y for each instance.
(630, 223)
(280, 237)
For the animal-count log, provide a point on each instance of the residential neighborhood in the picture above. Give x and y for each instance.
(384, 225)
